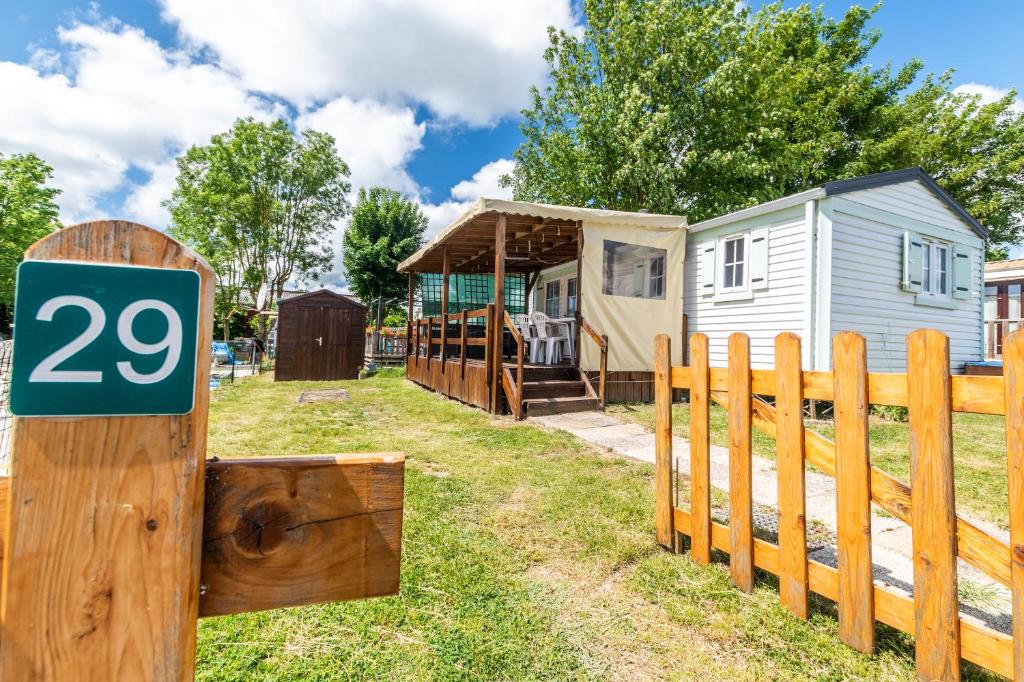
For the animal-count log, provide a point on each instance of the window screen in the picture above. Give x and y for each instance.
(633, 270)
(470, 291)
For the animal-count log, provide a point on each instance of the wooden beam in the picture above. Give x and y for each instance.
(499, 311)
(300, 530)
(446, 271)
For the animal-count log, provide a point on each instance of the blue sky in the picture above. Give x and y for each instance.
(421, 96)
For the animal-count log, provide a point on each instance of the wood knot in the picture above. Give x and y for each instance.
(262, 527)
(151, 525)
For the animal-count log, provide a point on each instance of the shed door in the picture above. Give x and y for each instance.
(335, 351)
(307, 345)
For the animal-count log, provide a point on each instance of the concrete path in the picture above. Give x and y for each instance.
(983, 600)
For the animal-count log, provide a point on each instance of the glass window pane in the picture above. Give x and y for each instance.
(627, 270)
(926, 268)
(1013, 302)
(553, 298)
(739, 250)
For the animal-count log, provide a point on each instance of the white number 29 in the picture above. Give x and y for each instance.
(47, 372)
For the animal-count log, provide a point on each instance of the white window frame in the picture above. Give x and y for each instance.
(931, 276)
(649, 281)
(742, 290)
(548, 283)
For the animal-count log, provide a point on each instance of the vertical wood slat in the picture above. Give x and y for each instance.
(741, 515)
(933, 521)
(853, 492)
(1013, 387)
(462, 343)
(789, 439)
(700, 450)
(663, 441)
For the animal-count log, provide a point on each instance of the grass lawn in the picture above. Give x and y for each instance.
(979, 452)
(526, 555)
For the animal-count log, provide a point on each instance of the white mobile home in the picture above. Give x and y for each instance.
(881, 255)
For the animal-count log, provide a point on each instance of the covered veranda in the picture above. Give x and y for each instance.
(477, 274)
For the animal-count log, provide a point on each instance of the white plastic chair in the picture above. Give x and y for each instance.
(529, 337)
(552, 342)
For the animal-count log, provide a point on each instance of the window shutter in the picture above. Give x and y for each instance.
(961, 271)
(759, 259)
(708, 267)
(912, 260)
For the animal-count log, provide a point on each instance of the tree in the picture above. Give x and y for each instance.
(28, 212)
(702, 107)
(260, 203)
(386, 228)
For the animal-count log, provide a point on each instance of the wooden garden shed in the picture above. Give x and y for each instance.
(320, 337)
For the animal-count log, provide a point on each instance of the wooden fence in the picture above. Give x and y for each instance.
(932, 615)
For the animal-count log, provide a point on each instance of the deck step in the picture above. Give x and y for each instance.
(535, 373)
(536, 407)
(556, 388)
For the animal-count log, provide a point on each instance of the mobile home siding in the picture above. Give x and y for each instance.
(779, 308)
(867, 267)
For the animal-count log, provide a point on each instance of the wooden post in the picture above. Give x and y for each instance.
(499, 312)
(700, 450)
(462, 344)
(489, 350)
(933, 507)
(741, 511)
(445, 276)
(663, 441)
(102, 555)
(853, 492)
(789, 437)
(579, 290)
(1013, 387)
(408, 316)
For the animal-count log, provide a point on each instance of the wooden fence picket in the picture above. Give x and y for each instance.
(936, 610)
(741, 513)
(663, 439)
(790, 465)
(853, 492)
(700, 451)
(1013, 386)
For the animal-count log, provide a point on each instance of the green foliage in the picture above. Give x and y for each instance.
(702, 107)
(386, 228)
(396, 317)
(260, 202)
(28, 212)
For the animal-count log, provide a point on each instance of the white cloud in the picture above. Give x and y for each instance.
(989, 93)
(467, 60)
(484, 183)
(123, 102)
(376, 140)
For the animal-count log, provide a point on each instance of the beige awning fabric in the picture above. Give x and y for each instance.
(631, 322)
(474, 229)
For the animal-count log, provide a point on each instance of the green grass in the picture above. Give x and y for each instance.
(979, 452)
(526, 555)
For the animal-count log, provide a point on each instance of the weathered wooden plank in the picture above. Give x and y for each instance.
(980, 645)
(663, 442)
(497, 321)
(299, 530)
(700, 450)
(975, 394)
(106, 513)
(1013, 375)
(741, 519)
(937, 620)
(790, 466)
(853, 492)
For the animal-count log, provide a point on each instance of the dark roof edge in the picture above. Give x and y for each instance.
(904, 175)
(323, 291)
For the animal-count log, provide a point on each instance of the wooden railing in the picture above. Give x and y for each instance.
(514, 386)
(996, 332)
(940, 536)
(424, 340)
(602, 344)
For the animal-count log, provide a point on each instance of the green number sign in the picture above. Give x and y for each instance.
(110, 340)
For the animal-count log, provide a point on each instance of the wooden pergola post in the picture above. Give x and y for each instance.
(499, 311)
(408, 316)
(446, 269)
(579, 291)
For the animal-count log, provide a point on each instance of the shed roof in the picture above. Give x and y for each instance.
(837, 187)
(537, 235)
(333, 294)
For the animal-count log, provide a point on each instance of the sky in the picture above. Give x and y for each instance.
(421, 95)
